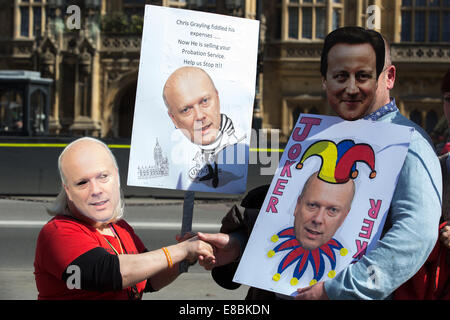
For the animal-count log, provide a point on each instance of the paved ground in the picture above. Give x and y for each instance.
(19, 284)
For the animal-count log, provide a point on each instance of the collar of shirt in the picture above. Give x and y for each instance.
(387, 108)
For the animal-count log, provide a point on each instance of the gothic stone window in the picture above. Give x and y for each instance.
(133, 7)
(426, 119)
(136, 7)
(297, 111)
(312, 19)
(425, 21)
(32, 17)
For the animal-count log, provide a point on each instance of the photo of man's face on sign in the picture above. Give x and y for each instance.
(193, 105)
(321, 209)
(193, 112)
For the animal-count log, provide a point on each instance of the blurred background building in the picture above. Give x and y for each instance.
(93, 61)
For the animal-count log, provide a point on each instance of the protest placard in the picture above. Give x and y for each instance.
(327, 203)
(194, 101)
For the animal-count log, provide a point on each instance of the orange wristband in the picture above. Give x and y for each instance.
(168, 257)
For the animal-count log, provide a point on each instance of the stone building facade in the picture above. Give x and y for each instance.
(94, 60)
(419, 33)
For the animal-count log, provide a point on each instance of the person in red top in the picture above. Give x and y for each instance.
(87, 251)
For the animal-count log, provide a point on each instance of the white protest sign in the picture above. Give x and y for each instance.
(327, 202)
(197, 137)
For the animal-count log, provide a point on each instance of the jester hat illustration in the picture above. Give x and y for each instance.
(339, 160)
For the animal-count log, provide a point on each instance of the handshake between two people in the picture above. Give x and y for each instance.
(211, 249)
(218, 249)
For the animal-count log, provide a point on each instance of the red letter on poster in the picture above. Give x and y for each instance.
(374, 208)
(361, 247)
(279, 187)
(287, 169)
(272, 203)
(309, 123)
(367, 229)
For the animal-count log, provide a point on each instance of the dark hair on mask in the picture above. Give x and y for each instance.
(353, 35)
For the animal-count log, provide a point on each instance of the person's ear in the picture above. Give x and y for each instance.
(390, 77)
